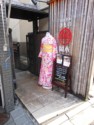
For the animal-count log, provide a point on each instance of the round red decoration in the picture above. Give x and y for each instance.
(65, 36)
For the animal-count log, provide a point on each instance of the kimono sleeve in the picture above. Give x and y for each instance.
(40, 53)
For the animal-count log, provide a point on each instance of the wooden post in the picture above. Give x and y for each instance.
(35, 26)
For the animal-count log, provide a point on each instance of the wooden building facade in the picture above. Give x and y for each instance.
(78, 15)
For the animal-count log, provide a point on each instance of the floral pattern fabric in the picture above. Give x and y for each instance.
(48, 52)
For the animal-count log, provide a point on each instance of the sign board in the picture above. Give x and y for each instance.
(65, 36)
(62, 67)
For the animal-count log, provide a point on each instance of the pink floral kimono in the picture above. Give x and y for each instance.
(48, 52)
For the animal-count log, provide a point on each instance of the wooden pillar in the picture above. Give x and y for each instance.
(35, 26)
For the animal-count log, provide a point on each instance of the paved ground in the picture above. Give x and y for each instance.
(20, 116)
(42, 104)
(83, 114)
(70, 111)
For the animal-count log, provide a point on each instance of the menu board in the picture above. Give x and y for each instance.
(62, 67)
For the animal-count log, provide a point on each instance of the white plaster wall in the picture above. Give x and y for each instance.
(15, 26)
(43, 24)
(25, 28)
(21, 27)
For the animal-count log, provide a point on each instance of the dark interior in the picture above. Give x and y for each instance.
(33, 39)
(33, 48)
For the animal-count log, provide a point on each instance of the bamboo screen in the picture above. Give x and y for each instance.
(78, 15)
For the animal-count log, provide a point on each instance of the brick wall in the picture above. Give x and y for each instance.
(5, 64)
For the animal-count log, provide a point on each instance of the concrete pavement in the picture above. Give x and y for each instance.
(83, 114)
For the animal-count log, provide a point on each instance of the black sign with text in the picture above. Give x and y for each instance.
(61, 67)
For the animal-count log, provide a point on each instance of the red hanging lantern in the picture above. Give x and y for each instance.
(65, 36)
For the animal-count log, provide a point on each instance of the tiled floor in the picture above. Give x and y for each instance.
(42, 104)
(20, 116)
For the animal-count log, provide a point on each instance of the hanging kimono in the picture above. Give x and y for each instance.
(48, 52)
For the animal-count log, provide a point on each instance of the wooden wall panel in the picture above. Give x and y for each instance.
(78, 15)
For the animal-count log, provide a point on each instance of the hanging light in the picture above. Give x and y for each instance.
(35, 1)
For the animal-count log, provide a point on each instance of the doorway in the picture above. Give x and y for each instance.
(35, 98)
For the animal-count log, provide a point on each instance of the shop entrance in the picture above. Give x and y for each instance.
(25, 47)
(37, 100)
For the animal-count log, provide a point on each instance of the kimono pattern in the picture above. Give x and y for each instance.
(48, 51)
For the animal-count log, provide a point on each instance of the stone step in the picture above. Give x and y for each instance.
(72, 112)
(68, 113)
(61, 117)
